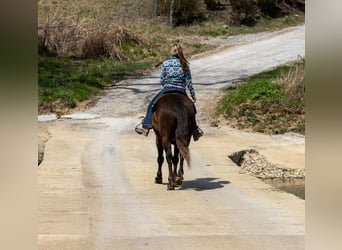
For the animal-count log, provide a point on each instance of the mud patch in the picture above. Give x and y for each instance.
(294, 186)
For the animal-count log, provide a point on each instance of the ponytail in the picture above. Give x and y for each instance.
(179, 53)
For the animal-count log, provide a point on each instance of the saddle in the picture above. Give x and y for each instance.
(170, 92)
(173, 92)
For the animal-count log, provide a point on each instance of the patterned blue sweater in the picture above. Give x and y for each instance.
(172, 75)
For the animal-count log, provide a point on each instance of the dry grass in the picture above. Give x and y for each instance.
(293, 81)
(98, 29)
(87, 29)
(86, 40)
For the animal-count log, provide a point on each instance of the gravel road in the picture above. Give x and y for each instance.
(96, 183)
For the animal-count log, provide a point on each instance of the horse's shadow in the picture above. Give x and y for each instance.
(201, 184)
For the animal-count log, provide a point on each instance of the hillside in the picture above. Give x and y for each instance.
(86, 46)
(123, 30)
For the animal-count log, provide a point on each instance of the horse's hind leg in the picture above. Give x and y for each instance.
(179, 179)
(175, 159)
(171, 184)
(160, 159)
(175, 164)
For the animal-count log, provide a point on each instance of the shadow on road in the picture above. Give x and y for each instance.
(201, 184)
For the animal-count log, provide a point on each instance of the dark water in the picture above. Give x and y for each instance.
(294, 186)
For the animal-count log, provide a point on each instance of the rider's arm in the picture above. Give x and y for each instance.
(188, 80)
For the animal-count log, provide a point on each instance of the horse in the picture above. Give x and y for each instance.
(173, 122)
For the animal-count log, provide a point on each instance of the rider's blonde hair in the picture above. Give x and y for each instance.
(176, 50)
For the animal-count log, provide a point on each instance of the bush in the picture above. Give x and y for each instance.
(185, 11)
(273, 8)
(216, 4)
(77, 40)
(245, 12)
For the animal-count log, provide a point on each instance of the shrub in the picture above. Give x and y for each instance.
(185, 11)
(245, 12)
(81, 41)
(216, 4)
(272, 8)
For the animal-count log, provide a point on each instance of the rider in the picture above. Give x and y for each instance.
(175, 76)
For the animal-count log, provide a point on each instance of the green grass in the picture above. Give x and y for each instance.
(258, 88)
(261, 104)
(69, 81)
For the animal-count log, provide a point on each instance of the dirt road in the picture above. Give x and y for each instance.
(96, 183)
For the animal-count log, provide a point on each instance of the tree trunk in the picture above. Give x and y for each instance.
(172, 5)
(156, 10)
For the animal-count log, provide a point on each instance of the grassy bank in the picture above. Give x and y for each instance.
(64, 82)
(270, 102)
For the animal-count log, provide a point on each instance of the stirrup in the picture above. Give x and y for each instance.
(141, 130)
(197, 133)
(200, 131)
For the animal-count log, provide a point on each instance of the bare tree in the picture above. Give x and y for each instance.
(172, 5)
(156, 10)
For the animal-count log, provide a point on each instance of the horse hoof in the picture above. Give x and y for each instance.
(179, 181)
(169, 187)
(158, 180)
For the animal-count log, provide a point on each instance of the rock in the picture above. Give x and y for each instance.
(251, 161)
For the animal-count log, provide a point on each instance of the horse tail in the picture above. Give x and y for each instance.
(183, 123)
(184, 150)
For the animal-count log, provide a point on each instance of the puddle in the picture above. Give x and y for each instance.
(294, 186)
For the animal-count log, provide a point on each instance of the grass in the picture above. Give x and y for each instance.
(270, 102)
(67, 81)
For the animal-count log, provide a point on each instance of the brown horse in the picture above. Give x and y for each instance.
(173, 121)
